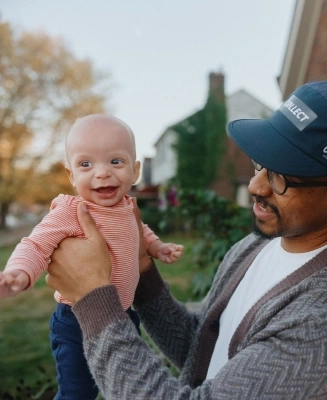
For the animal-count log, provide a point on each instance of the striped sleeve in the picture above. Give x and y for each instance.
(33, 253)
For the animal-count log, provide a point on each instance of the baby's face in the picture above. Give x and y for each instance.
(101, 156)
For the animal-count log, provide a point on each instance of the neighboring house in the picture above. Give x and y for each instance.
(164, 163)
(145, 192)
(236, 169)
(305, 56)
(146, 171)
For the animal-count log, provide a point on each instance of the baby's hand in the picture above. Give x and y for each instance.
(13, 282)
(169, 252)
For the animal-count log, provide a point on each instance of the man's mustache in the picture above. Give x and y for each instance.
(260, 200)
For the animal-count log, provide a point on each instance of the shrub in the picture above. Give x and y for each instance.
(218, 222)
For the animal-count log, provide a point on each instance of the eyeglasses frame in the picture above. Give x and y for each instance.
(288, 183)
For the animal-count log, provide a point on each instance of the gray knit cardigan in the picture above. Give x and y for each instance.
(278, 352)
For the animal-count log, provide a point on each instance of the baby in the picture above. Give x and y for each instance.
(102, 166)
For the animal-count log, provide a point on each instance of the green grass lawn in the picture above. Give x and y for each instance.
(180, 274)
(24, 322)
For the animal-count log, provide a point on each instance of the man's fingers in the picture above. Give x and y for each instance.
(86, 221)
(49, 281)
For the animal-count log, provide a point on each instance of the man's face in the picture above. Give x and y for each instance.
(298, 216)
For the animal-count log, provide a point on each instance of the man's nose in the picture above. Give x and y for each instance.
(259, 184)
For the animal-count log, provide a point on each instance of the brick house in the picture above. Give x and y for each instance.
(235, 169)
(305, 57)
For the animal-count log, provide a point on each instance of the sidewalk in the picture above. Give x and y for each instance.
(12, 236)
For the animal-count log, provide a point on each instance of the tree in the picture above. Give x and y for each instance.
(45, 186)
(43, 89)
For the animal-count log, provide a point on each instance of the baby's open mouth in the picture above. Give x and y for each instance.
(106, 189)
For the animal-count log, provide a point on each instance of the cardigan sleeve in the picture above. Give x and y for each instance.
(123, 365)
(167, 321)
(284, 361)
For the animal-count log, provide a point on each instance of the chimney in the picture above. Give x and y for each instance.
(217, 86)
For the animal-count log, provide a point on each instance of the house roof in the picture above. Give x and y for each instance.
(240, 104)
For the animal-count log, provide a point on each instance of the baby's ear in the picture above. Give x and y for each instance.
(70, 174)
(136, 172)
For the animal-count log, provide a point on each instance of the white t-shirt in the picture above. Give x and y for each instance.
(271, 266)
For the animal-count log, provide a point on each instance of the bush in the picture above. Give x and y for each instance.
(161, 222)
(151, 216)
(218, 222)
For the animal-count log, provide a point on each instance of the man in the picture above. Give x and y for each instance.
(262, 329)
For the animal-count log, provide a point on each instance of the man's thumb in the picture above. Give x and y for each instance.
(86, 221)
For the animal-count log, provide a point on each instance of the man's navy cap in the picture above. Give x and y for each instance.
(293, 141)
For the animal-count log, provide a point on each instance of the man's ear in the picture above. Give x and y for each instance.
(70, 175)
(136, 172)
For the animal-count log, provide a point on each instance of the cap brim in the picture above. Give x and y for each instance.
(265, 145)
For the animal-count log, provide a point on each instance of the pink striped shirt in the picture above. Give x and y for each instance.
(118, 226)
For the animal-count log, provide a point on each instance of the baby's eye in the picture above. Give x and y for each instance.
(116, 161)
(85, 164)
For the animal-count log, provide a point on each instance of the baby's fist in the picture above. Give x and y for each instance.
(170, 252)
(13, 282)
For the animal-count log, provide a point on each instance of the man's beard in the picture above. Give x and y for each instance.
(259, 233)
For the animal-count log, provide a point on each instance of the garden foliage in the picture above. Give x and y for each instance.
(217, 222)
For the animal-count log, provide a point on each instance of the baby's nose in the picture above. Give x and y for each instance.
(103, 172)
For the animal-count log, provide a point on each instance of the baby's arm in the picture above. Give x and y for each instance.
(165, 252)
(33, 253)
(13, 282)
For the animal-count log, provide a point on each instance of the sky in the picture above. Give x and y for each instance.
(159, 53)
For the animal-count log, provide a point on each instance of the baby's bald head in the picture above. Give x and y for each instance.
(86, 128)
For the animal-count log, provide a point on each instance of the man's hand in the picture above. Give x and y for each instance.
(13, 282)
(80, 265)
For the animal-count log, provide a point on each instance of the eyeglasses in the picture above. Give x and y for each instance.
(279, 183)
